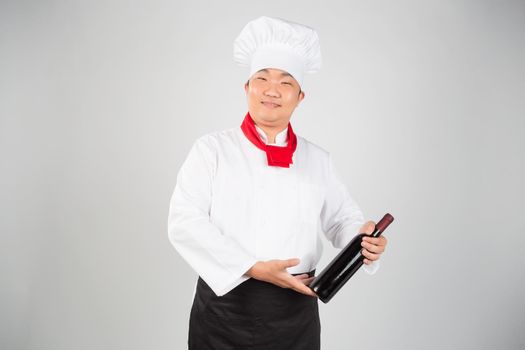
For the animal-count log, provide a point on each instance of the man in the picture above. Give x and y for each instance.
(249, 203)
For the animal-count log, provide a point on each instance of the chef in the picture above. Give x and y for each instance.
(251, 203)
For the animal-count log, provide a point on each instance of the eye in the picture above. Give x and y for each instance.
(286, 83)
(261, 78)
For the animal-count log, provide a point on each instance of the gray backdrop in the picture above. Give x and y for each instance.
(421, 102)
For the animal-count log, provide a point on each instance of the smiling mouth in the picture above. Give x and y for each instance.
(270, 104)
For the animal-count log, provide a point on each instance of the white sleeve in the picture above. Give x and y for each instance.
(341, 217)
(219, 260)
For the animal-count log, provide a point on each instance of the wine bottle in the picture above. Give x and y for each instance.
(345, 264)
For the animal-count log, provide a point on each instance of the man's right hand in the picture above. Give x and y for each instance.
(274, 271)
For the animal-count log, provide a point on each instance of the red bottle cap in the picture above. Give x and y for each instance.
(384, 222)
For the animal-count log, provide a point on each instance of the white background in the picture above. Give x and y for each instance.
(422, 104)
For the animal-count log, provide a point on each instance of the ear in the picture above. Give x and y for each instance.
(246, 87)
(301, 96)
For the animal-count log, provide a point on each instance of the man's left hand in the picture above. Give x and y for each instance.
(372, 247)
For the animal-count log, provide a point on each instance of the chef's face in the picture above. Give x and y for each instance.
(272, 97)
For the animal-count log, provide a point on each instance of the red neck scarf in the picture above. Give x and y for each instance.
(277, 156)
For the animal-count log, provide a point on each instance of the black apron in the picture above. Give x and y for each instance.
(255, 315)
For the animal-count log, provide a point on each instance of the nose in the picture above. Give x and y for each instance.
(272, 91)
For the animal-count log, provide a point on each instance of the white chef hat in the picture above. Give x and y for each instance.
(275, 43)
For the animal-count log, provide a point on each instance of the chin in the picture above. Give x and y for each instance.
(272, 121)
(270, 118)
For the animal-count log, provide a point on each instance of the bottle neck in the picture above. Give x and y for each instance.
(376, 233)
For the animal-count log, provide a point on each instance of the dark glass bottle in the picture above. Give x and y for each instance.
(345, 264)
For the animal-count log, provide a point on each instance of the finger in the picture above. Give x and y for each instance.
(369, 255)
(299, 286)
(368, 227)
(289, 262)
(381, 240)
(301, 277)
(367, 262)
(304, 290)
(378, 249)
(307, 281)
(308, 291)
(304, 278)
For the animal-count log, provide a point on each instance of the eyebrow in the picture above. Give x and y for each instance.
(283, 74)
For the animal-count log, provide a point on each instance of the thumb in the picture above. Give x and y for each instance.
(368, 227)
(291, 262)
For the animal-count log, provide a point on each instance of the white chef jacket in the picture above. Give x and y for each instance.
(230, 209)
